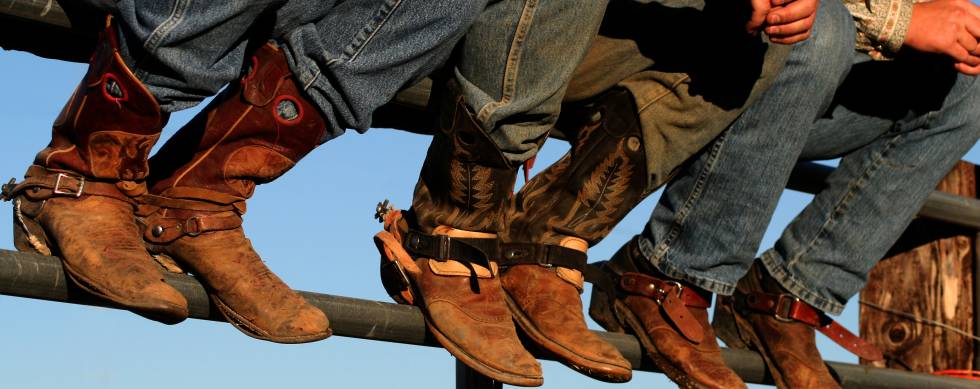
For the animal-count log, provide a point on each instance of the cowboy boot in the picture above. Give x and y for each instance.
(77, 200)
(565, 209)
(251, 134)
(441, 255)
(669, 317)
(763, 316)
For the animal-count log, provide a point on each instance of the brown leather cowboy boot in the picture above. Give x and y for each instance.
(763, 316)
(251, 134)
(670, 319)
(441, 255)
(77, 200)
(569, 206)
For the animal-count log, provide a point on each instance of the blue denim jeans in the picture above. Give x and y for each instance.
(899, 127)
(349, 56)
(516, 63)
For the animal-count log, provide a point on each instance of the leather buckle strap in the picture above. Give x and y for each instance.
(165, 230)
(788, 308)
(444, 248)
(44, 184)
(673, 298)
(658, 290)
(549, 255)
(63, 185)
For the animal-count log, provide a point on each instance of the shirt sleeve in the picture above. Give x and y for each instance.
(883, 23)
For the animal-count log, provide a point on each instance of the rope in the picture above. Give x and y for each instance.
(922, 320)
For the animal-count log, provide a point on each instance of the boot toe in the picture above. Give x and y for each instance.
(308, 325)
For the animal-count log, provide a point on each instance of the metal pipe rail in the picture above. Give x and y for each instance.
(42, 277)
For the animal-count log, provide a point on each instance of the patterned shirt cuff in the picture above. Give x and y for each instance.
(895, 27)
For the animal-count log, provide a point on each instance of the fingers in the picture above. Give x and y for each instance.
(760, 8)
(971, 70)
(966, 50)
(792, 12)
(792, 32)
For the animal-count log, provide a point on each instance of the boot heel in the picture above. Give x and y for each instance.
(725, 326)
(29, 237)
(601, 310)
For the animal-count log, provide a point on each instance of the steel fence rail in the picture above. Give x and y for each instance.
(42, 277)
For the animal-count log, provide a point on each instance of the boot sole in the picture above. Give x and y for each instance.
(592, 368)
(738, 333)
(247, 328)
(633, 324)
(172, 314)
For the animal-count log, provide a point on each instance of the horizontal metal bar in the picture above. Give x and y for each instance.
(42, 277)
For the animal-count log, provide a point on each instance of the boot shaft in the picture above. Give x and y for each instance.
(254, 132)
(108, 127)
(592, 187)
(465, 181)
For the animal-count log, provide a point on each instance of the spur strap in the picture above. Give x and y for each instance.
(788, 308)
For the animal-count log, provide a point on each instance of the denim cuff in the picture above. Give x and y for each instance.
(777, 268)
(659, 261)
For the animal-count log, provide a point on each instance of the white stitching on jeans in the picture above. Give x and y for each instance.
(392, 7)
(511, 70)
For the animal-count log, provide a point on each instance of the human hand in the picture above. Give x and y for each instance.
(790, 21)
(949, 27)
(760, 8)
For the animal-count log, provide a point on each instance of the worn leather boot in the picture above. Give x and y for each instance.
(670, 318)
(441, 255)
(251, 134)
(764, 317)
(568, 207)
(77, 200)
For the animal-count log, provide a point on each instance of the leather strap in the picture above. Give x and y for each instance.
(44, 184)
(788, 308)
(673, 298)
(168, 229)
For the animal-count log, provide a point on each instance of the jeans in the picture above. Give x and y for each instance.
(349, 57)
(515, 65)
(899, 127)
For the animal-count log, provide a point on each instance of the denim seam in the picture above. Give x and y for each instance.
(377, 23)
(779, 271)
(156, 37)
(712, 285)
(842, 204)
(512, 68)
(689, 204)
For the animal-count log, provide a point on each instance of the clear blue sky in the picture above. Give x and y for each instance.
(314, 229)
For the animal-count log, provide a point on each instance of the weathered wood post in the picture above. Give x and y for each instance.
(928, 278)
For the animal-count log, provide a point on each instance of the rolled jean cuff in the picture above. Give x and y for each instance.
(777, 268)
(647, 248)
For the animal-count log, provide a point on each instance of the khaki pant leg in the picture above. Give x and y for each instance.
(689, 83)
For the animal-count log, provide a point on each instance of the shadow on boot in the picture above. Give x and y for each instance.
(251, 134)
(77, 200)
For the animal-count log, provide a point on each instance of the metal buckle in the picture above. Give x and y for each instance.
(784, 307)
(663, 293)
(196, 222)
(77, 193)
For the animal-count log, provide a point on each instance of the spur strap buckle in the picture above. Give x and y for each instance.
(59, 190)
(664, 294)
(195, 222)
(784, 308)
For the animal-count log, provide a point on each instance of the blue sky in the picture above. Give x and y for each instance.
(313, 227)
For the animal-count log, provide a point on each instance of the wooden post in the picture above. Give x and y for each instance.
(930, 275)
